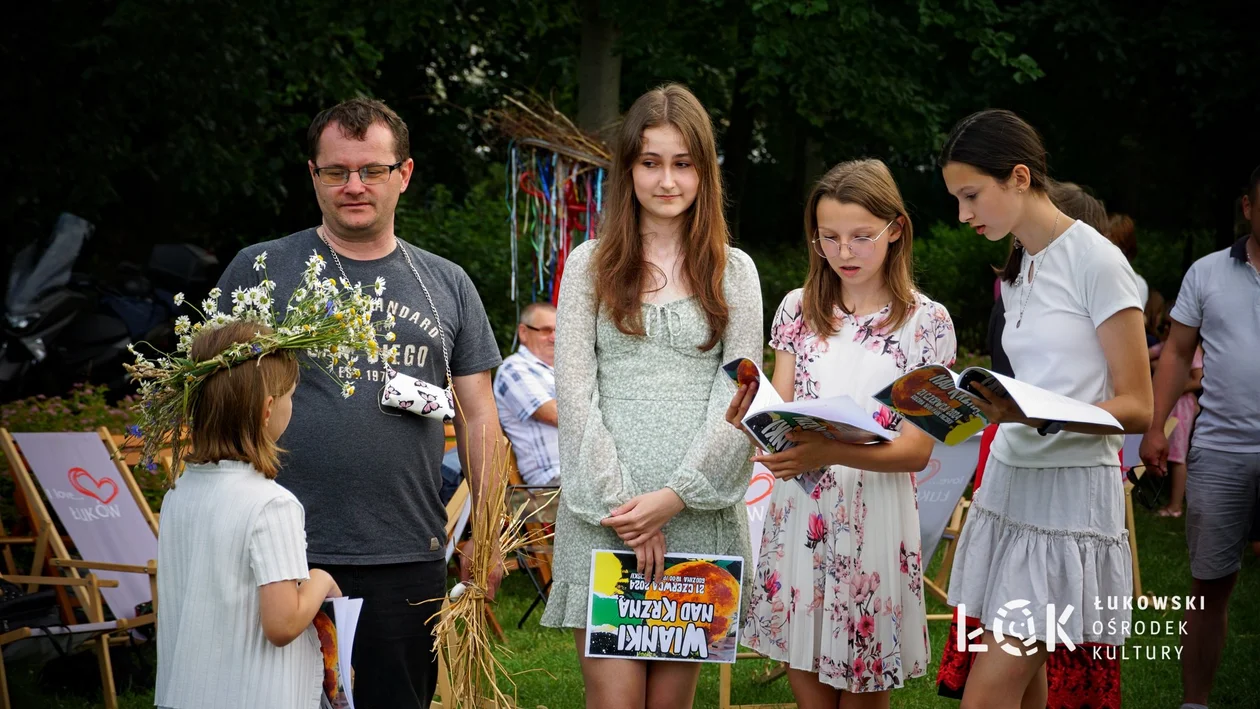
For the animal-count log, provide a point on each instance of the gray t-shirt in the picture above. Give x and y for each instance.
(1220, 295)
(370, 481)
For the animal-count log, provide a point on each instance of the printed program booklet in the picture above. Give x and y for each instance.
(770, 419)
(693, 616)
(942, 402)
(335, 623)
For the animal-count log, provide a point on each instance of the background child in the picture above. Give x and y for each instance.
(839, 588)
(236, 597)
(1185, 411)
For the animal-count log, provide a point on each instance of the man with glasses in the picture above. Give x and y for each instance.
(525, 392)
(369, 476)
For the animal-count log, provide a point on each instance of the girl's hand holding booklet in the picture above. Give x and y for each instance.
(942, 403)
(769, 419)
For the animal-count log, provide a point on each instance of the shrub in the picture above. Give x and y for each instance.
(1161, 258)
(953, 266)
(474, 233)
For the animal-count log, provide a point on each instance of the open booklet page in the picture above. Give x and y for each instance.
(770, 419)
(942, 402)
(335, 623)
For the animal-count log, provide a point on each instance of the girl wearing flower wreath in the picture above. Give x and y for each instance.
(236, 596)
(1047, 527)
(839, 587)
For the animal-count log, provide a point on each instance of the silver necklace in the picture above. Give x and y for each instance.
(446, 357)
(1032, 271)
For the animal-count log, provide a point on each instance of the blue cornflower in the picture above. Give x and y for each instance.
(134, 431)
(328, 308)
(150, 465)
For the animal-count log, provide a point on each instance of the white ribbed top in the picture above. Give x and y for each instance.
(226, 530)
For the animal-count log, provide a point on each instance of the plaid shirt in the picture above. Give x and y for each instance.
(522, 385)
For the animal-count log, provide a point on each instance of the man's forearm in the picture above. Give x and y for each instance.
(1170, 380)
(483, 445)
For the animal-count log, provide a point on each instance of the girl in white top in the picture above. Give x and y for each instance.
(1047, 527)
(839, 587)
(235, 597)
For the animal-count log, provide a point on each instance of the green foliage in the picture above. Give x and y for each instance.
(473, 232)
(1160, 258)
(782, 268)
(953, 267)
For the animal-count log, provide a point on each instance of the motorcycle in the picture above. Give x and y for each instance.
(61, 327)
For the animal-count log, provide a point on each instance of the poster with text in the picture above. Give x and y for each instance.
(693, 616)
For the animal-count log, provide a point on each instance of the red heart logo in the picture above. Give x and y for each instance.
(83, 481)
(767, 480)
(934, 467)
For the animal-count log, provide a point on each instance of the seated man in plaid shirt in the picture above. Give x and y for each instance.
(525, 391)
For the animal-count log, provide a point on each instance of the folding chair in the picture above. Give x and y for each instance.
(104, 512)
(535, 558)
(44, 644)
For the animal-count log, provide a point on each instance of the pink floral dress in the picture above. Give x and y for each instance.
(839, 581)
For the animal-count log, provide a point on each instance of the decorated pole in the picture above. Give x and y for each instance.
(556, 176)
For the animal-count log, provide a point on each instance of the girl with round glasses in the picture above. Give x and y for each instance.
(839, 587)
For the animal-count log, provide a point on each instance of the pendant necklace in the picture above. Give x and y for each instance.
(1032, 271)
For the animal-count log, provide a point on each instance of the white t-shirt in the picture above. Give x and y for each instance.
(226, 530)
(1144, 290)
(1081, 279)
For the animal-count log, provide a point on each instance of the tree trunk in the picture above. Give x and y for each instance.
(599, 72)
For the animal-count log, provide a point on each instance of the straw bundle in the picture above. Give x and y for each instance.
(536, 122)
(463, 635)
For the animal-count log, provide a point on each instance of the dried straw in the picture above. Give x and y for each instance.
(538, 123)
(463, 635)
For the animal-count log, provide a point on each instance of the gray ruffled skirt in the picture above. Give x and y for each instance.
(1047, 536)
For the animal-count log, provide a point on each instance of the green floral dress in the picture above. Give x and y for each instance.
(642, 413)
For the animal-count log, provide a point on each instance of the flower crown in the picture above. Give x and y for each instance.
(331, 322)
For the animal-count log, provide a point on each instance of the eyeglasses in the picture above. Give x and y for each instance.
(860, 247)
(546, 331)
(368, 174)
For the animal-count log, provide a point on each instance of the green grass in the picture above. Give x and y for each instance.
(545, 660)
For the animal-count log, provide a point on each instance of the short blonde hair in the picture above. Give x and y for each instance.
(227, 415)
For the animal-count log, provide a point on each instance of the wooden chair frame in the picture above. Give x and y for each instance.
(51, 551)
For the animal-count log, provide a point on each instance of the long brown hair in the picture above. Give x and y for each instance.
(868, 184)
(621, 273)
(227, 416)
(995, 141)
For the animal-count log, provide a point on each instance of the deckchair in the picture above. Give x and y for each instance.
(103, 511)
